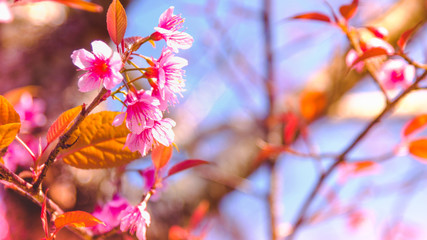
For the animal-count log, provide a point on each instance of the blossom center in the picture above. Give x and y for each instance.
(397, 76)
(100, 67)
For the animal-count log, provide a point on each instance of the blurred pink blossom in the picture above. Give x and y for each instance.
(31, 112)
(168, 27)
(110, 213)
(102, 65)
(167, 70)
(137, 219)
(161, 132)
(396, 73)
(17, 155)
(142, 110)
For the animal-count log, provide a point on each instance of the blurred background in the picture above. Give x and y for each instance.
(251, 71)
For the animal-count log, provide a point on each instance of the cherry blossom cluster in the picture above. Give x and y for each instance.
(144, 108)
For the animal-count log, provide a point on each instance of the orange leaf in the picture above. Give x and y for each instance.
(370, 53)
(186, 165)
(7, 112)
(178, 233)
(418, 148)
(405, 37)
(99, 144)
(80, 4)
(161, 155)
(116, 21)
(312, 104)
(313, 16)
(76, 219)
(198, 214)
(61, 123)
(348, 11)
(416, 124)
(364, 166)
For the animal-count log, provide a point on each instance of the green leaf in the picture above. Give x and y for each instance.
(99, 144)
(76, 219)
(116, 21)
(62, 123)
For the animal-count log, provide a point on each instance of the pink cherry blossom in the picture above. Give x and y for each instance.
(102, 65)
(373, 42)
(5, 13)
(161, 132)
(142, 111)
(396, 73)
(136, 219)
(110, 213)
(16, 155)
(167, 70)
(168, 27)
(31, 112)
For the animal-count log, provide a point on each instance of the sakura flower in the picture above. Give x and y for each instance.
(110, 213)
(136, 219)
(142, 111)
(168, 27)
(31, 112)
(167, 70)
(373, 42)
(396, 73)
(17, 156)
(102, 65)
(5, 13)
(161, 132)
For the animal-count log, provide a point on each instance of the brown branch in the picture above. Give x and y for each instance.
(62, 144)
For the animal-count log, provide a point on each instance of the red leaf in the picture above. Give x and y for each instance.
(313, 16)
(379, 32)
(198, 214)
(359, 167)
(178, 233)
(116, 21)
(80, 4)
(405, 37)
(61, 123)
(134, 43)
(415, 124)
(43, 217)
(161, 155)
(348, 11)
(418, 148)
(370, 53)
(186, 165)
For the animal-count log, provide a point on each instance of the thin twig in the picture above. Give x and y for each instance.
(321, 181)
(62, 144)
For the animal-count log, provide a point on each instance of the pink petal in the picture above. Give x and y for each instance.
(118, 120)
(82, 58)
(88, 82)
(166, 15)
(101, 49)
